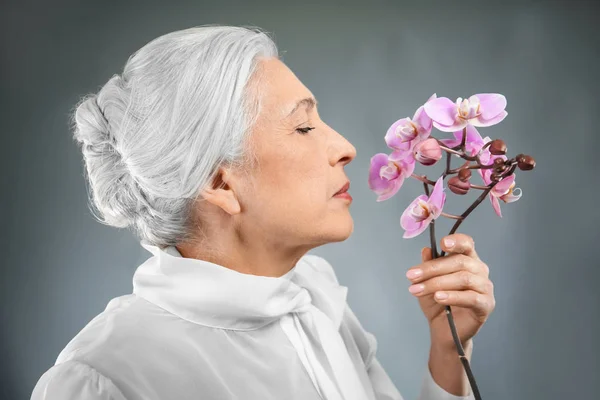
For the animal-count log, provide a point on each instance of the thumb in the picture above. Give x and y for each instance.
(426, 254)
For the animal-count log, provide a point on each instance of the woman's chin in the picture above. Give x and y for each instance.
(342, 227)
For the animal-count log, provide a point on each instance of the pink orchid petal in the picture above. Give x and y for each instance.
(491, 104)
(376, 182)
(450, 142)
(456, 141)
(406, 162)
(456, 125)
(412, 233)
(458, 135)
(479, 122)
(433, 96)
(438, 197)
(441, 110)
(485, 175)
(403, 151)
(485, 156)
(392, 140)
(377, 161)
(422, 120)
(393, 189)
(474, 141)
(473, 136)
(410, 224)
(504, 185)
(406, 221)
(408, 166)
(496, 205)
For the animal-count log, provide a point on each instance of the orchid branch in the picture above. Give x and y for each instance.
(410, 139)
(460, 219)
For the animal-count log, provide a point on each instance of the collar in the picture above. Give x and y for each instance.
(210, 294)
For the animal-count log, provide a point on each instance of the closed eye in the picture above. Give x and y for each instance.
(304, 130)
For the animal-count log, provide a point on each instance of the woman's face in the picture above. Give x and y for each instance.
(287, 199)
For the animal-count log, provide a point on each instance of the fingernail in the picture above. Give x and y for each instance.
(441, 295)
(414, 273)
(449, 242)
(416, 288)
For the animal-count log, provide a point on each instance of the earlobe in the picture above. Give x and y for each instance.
(233, 205)
(223, 198)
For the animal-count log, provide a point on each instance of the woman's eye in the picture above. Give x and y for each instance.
(304, 130)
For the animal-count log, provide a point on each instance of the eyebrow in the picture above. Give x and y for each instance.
(309, 102)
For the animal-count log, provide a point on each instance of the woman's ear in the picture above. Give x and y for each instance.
(221, 194)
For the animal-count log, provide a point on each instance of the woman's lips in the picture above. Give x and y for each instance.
(343, 188)
(344, 195)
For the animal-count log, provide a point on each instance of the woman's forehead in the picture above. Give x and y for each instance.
(283, 93)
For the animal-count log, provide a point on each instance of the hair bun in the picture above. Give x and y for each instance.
(115, 194)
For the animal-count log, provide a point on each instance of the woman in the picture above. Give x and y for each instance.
(214, 152)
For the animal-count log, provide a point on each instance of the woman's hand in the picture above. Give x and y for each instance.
(464, 278)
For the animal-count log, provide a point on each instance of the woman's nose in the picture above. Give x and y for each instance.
(346, 151)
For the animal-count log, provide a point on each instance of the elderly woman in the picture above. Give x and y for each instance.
(212, 150)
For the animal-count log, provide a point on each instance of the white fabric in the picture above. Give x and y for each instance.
(193, 329)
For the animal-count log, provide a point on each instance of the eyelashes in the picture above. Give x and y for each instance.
(304, 131)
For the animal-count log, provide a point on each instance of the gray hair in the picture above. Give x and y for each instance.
(153, 137)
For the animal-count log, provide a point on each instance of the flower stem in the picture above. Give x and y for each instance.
(463, 141)
(449, 150)
(455, 170)
(423, 179)
(434, 253)
(470, 209)
(448, 309)
(478, 187)
(448, 161)
(471, 166)
(451, 216)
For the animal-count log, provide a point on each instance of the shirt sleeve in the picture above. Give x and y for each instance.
(430, 390)
(74, 380)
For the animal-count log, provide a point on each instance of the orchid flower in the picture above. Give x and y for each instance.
(405, 133)
(387, 173)
(503, 190)
(417, 216)
(484, 109)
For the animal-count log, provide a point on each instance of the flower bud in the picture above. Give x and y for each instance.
(498, 147)
(464, 174)
(428, 152)
(499, 165)
(457, 186)
(525, 162)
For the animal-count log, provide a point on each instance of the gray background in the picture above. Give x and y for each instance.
(369, 64)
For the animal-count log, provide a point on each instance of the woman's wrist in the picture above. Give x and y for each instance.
(447, 369)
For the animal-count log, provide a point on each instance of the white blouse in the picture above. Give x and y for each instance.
(193, 329)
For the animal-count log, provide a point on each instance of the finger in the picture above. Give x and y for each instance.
(481, 304)
(446, 265)
(459, 243)
(426, 254)
(462, 280)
